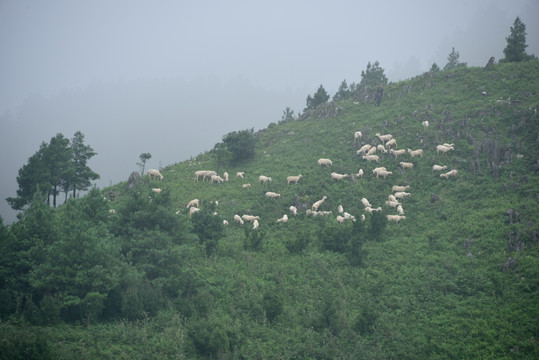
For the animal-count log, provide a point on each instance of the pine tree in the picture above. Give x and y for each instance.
(82, 173)
(515, 50)
(453, 60)
(320, 97)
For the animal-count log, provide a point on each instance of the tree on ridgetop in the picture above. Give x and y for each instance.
(320, 97)
(453, 60)
(288, 115)
(240, 144)
(143, 158)
(373, 76)
(515, 50)
(82, 173)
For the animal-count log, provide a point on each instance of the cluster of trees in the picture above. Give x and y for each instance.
(236, 147)
(58, 166)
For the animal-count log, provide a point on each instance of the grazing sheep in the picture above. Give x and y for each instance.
(402, 194)
(283, 219)
(392, 197)
(340, 219)
(450, 173)
(381, 149)
(264, 179)
(325, 162)
(406, 165)
(400, 210)
(371, 151)
(238, 219)
(414, 153)
(294, 210)
(157, 190)
(378, 169)
(348, 216)
(399, 188)
(340, 209)
(371, 158)
(338, 177)
(370, 209)
(362, 217)
(384, 138)
(154, 173)
(217, 178)
(365, 202)
(225, 222)
(193, 210)
(204, 174)
(383, 173)
(391, 143)
(194, 202)
(225, 176)
(438, 167)
(357, 137)
(272, 195)
(255, 224)
(425, 124)
(240, 174)
(246, 186)
(363, 150)
(317, 204)
(396, 153)
(250, 217)
(293, 179)
(392, 203)
(444, 149)
(395, 218)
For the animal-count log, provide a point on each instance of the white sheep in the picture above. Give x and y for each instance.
(293, 179)
(402, 194)
(193, 203)
(238, 219)
(360, 173)
(366, 202)
(112, 211)
(378, 169)
(425, 124)
(340, 219)
(381, 149)
(154, 173)
(293, 210)
(396, 153)
(317, 204)
(246, 186)
(255, 224)
(325, 162)
(264, 179)
(283, 219)
(384, 138)
(450, 173)
(370, 209)
(216, 178)
(438, 167)
(392, 203)
(225, 222)
(204, 174)
(250, 218)
(395, 218)
(400, 210)
(406, 165)
(357, 137)
(414, 153)
(193, 210)
(272, 195)
(383, 173)
(392, 197)
(371, 158)
(338, 177)
(399, 188)
(157, 190)
(444, 149)
(240, 174)
(371, 151)
(363, 150)
(225, 176)
(391, 143)
(340, 209)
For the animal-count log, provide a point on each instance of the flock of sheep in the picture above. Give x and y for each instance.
(368, 152)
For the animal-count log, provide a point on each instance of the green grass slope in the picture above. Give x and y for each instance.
(458, 278)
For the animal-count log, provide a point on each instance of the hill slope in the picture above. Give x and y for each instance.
(457, 278)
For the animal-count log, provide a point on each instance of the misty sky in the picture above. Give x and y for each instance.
(172, 77)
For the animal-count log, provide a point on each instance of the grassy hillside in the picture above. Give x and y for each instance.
(458, 278)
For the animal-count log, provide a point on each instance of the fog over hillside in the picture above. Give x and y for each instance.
(171, 78)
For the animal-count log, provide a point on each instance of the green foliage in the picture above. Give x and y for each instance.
(320, 97)
(208, 227)
(288, 115)
(142, 163)
(434, 68)
(372, 76)
(240, 145)
(515, 50)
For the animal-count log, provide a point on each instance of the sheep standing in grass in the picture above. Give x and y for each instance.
(338, 177)
(293, 179)
(340, 219)
(272, 195)
(340, 209)
(216, 178)
(391, 143)
(246, 186)
(365, 202)
(193, 203)
(238, 219)
(293, 210)
(392, 203)
(255, 224)
(399, 188)
(443, 148)
(317, 204)
(383, 173)
(425, 125)
(193, 210)
(381, 149)
(357, 137)
(396, 153)
(250, 218)
(414, 153)
(325, 162)
(225, 176)
(371, 158)
(240, 174)
(402, 194)
(157, 190)
(400, 210)
(154, 173)
(371, 151)
(438, 167)
(406, 165)
(395, 218)
(360, 173)
(283, 219)
(363, 150)
(384, 138)
(450, 173)
(264, 179)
